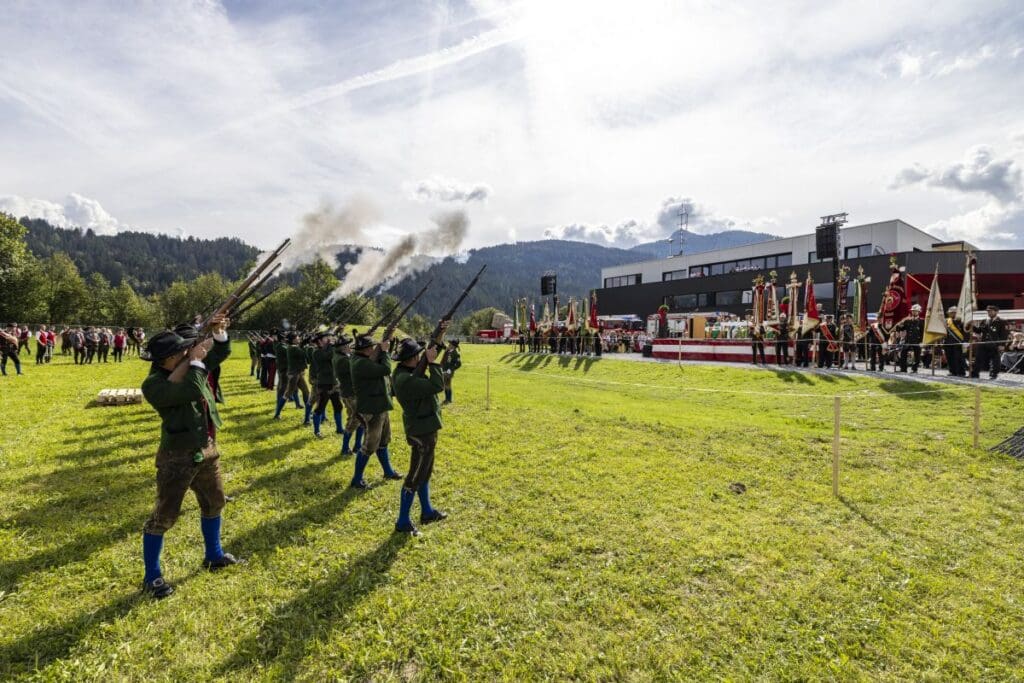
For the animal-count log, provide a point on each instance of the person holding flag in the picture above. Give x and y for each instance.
(956, 336)
(812, 319)
(935, 330)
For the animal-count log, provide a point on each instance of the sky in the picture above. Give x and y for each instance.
(590, 120)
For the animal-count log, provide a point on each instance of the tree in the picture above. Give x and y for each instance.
(176, 304)
(62, 289)
(19, 295)
(477, 320)
(95, 304)
(316, 283)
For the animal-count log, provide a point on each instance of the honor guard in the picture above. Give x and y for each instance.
(782, 341)
(325, 384)
(991, 334)
(451, 362)
(371, 371)
(187, 457)
(421, 417)
(343, 371)
(955, 338)
(281, 365)
(913, 328)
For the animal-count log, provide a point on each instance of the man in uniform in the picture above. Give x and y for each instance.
(281, 365)
(913, 327)
(991, 335)
(452, 361)
(876, 347)
(956, 335)
(421, 417)
(325, 383)
(782, 341)
(9, 348)
(826, 342)
(187, 458)
(804, 339)
(343, 371)
(371, 370)
(297, 364)
(846, 336)
(188, 332)
(756, 340)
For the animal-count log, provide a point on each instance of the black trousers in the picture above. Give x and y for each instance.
(79, 356)
(955, 359)
(757, 348)
(875, 353)
(803, 352)
(40, 354)
(421, 461)
(327, 393)
(986, 357)
(782, 352)
(907, 350)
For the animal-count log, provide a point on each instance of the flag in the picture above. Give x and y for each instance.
(860, 308)
(533, 318)
(811, 318)
(546, 320)
(967, 303)
(585, 317)
(518, 321)
(934, 320)
(571, 315)
(594, 325)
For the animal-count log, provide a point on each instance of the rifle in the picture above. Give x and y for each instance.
(398, 318)
(260, 299)
(437, 336)
(243, 288)
(369, 332)
(255, 288)
(344, 318)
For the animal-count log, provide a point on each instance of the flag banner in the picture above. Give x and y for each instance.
(895, 306)
(934, 320)
(533, 318)
(968, 301)
(860, 304)
(793, 290)
(594, 324)
(811, 318)
(771, 304)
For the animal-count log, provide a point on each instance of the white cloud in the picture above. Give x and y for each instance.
(75, 211)
(439, 189)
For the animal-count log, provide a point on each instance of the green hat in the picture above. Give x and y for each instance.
(165, 344)
(408, 348)
(364, 341)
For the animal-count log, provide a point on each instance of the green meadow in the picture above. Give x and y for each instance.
(595, 533)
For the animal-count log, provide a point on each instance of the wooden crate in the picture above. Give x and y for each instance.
(119, 397)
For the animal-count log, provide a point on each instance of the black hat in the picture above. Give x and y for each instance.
(274, 331)
(992, 308)
(292, 336)
(408, 348)
(343, 340)
(186, 331)
(364, 341)
(454, 342)
(165, 344)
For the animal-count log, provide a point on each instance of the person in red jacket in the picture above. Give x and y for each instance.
(120, 340)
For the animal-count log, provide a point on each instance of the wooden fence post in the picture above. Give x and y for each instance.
(835, 447)
(488, 387)
(977, 414)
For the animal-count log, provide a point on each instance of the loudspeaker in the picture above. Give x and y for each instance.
(548, 285)
(826, 237)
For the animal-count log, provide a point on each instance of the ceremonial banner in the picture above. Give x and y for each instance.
(771, 312)
(571, 315)
(546, 321)
(793, 289)
(811, 318)
(860, 304)
(758, 299)
(585, 317)
(895, 306)
(968, 297)
(533, 318)
(594, 324)
(934, 320)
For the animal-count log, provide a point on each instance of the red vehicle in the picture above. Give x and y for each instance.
(488, 336)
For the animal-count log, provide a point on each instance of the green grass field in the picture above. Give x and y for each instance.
(593, 534)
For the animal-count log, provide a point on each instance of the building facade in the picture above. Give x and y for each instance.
(721, 280)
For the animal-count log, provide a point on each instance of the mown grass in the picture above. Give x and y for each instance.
(592, 535)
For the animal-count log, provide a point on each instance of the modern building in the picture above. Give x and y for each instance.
(721, 280)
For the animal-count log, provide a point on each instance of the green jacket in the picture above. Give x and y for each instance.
(343, 371)
(180, 406)
(421, 411)
(296, 359)
(323, 367)
(370, 380)
(452, 360)
(281, 356)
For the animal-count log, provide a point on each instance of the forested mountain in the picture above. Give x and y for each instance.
(694, 243)
(513, 271)
(148, 262)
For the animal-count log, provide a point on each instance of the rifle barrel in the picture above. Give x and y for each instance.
(242, 288)
(260, 299)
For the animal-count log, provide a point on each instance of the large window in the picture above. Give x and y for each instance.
(743, 265)
(824, 290)
(700, 271)
(730, 297)
(622, 280)
(681, 302)
(812, 257)
(673, 275)
(859, 251)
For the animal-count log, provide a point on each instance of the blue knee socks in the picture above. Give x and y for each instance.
(280, 405)
(361, 460)
(424, 493)
(345, 438)
(317, 419)
(405, 507)
(211, 537)
(448, 395)
(309, 409)
(152, 544)
(359, 439)
(295, 397)
(337, 422)
(385, 460)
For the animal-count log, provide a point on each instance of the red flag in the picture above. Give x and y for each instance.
(533, 319)
(811, 317)
(593, 310)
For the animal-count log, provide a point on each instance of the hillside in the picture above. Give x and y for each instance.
(149, 262)
(513, 271)
(694, 243)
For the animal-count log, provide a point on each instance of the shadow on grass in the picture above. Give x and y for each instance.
(852, 507)
(790, 375)
(909, 390)
(41, 647)
(312, 615)
(527, 362)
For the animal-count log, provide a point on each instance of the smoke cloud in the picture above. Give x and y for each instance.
(439, 189)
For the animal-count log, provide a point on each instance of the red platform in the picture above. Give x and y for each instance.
(723, 350)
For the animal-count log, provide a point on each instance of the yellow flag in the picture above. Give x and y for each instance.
(934, 319)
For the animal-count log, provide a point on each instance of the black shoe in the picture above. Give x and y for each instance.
(226, 560)
(158, 588)
(395, 476)
(318, 435)
(361, 484)
(411, 530)
(435, 516)
(346, 451)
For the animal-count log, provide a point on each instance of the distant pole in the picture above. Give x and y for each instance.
(488, 387)
(835, 447)
(977, 414)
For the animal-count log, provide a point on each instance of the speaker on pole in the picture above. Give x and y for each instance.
(826, 237)
(548, 284)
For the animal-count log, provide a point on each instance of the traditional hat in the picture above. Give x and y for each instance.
(408, 348)
(343, 340)
(364, 341)
(454, 342)
(951, 309)
(916, 307)
(186, 331)
(165, 344)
